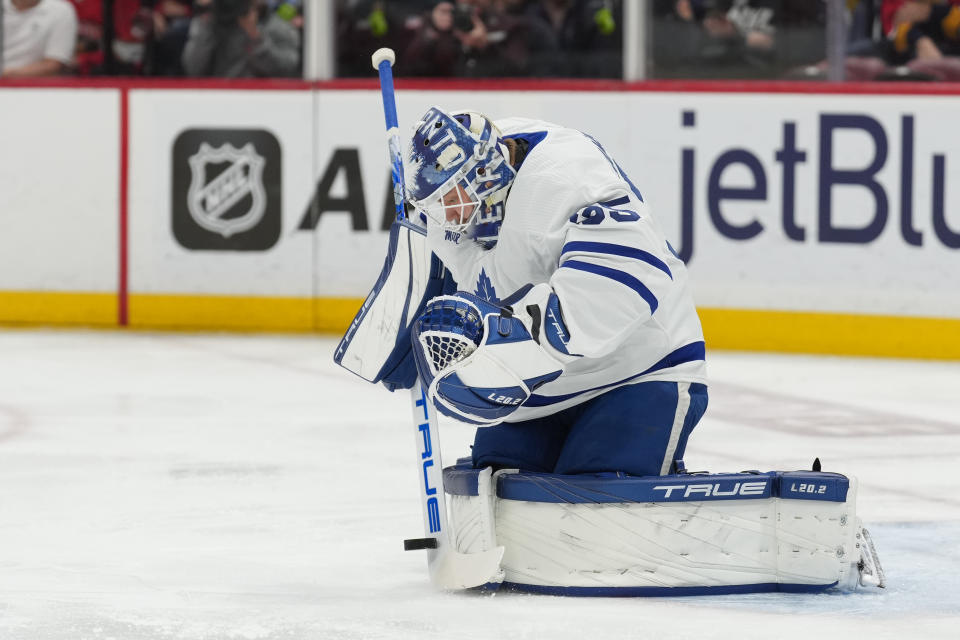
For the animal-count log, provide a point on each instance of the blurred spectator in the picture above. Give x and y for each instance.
(863, 24)
(920, 43)
(363, 26)
(481, 38)
(587, 34)
(88, 53)
(744, 38)
(171, 25)
(38, 37)
(458, 39)
(131, 26)
(437, 47)
(923, 39)
(289, 10)
(922, 30)
(893, 12)
(241, 38)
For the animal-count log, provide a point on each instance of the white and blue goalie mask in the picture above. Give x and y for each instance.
(458, 173)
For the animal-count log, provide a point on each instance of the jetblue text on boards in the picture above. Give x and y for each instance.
(915, 227)
(788, 156)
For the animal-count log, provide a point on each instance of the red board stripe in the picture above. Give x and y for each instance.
(123, 284)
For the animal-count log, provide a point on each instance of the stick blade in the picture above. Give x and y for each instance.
(415, 544)
(450, 570)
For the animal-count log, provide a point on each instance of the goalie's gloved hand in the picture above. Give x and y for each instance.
(481, 361)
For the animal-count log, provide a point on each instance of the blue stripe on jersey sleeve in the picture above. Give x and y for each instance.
(615, 274)
(687, 353)
(617, 250)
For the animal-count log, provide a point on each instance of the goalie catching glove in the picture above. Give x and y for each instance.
(481, 361)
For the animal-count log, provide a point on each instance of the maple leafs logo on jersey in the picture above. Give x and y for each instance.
(485, 288)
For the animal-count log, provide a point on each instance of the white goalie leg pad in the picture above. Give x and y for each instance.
(786, 541)
(474, 530)
(816, 541)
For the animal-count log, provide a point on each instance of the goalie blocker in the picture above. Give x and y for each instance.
(681, 534)
(376, 346)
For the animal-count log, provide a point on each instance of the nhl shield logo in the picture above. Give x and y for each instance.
(213, 202)
(226, 192)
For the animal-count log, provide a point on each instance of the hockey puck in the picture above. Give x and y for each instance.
(413, 544)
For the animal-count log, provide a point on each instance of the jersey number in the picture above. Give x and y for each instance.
(595, 214)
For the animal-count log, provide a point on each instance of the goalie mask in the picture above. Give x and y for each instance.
(458, 173)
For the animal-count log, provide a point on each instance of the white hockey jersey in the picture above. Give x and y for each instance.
(574, 220)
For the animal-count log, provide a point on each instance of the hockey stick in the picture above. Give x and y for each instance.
(383, 60)
(448, 568)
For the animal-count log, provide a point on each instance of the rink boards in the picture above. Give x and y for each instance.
(813, 219)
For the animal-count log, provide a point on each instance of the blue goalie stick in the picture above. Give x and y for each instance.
(449, 569)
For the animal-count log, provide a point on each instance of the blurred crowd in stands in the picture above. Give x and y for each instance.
(216, 38)
(737, 38)
(921, 42)
(886, 39)
(484, 38)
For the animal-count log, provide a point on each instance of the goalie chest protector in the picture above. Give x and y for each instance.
(683, 534)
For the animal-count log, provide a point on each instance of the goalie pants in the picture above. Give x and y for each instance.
(638, 429)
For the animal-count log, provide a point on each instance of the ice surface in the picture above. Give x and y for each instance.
(157, 486)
